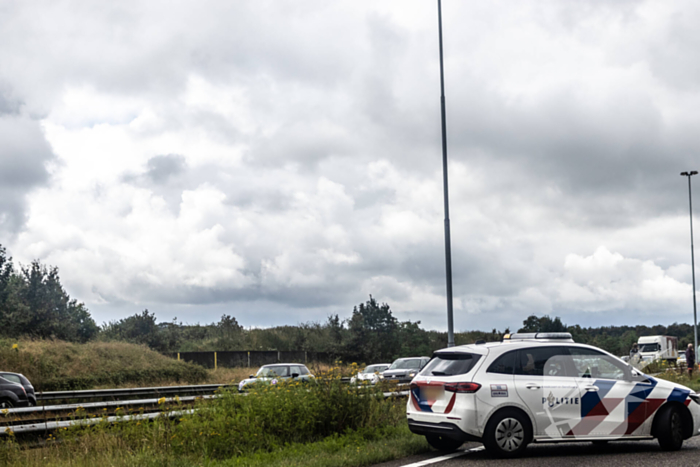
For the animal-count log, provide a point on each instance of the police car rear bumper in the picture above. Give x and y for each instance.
(446, 429)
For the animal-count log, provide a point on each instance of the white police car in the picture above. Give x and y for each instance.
(543, 387)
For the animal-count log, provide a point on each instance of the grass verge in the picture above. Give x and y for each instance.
(354, 449)
(57, 365)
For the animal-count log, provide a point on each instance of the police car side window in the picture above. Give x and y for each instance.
(592, 364)
(544, 361)
(505, 364)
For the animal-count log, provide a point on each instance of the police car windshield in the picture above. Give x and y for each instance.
(450, 364)
(410, 364)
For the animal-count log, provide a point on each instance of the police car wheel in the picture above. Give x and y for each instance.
(507, 434)
(442, 443)
(5, 404)
(670, 429)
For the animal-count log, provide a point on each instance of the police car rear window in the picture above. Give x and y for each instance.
(450, 364)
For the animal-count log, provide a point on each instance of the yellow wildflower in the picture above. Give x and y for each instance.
(161, 400)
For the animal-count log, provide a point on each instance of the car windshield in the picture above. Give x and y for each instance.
(373, 369)
(648, 347)
(408, 364)
(273, 371)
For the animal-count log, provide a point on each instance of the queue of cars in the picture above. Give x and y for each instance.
(544, 387)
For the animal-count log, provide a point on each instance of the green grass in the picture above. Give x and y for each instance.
(355, 449)
(57, 365)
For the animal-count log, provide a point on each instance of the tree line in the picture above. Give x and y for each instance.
(34, 304)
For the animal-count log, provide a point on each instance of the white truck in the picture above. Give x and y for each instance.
(653, 348)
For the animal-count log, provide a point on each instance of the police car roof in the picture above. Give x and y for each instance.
(529, 338)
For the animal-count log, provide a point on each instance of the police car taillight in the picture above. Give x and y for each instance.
(468, 388)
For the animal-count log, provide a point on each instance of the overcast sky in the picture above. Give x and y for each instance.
(280, 161)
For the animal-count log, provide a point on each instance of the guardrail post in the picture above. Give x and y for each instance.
(305, 359)
(278, 357)
(248, 359)
(215, 360)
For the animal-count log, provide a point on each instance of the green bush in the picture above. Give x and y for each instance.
(265, 419)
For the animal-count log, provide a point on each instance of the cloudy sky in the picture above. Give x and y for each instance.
(280, 161)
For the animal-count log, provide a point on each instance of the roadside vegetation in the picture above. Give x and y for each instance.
(57, 365)
(321, 423)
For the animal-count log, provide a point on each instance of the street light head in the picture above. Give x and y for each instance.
(694, 172)
(688, 174)
(685, 173)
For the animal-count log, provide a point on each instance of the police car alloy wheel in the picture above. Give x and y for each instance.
(5, 404)
(507, 434)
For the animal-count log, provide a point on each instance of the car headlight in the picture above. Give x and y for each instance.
(412, 374)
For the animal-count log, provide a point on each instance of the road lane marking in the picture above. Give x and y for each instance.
(435, 460)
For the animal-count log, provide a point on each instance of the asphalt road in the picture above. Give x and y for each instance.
(617, 454)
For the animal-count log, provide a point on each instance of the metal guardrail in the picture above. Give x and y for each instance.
(46, 425)
(159, 391)
(202, 389)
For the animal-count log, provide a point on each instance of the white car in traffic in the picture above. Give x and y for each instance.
(543, 387)
(370, 373)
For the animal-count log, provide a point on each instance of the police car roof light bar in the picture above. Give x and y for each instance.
(539, 336)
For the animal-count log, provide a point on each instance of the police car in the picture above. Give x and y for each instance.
(543, 387)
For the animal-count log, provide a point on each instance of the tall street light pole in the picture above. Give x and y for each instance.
(448, 248)
(692, 257)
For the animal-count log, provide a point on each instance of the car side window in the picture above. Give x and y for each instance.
(544, 361)
(281, 371)
(592, 364)
(505, 364)
(303, 370)
(13, 378)
(294, 369)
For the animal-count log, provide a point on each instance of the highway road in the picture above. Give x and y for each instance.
(617, 454)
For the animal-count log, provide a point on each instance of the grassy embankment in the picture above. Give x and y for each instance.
(326, 423)
(57, 365)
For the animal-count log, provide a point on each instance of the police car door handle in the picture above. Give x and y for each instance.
(532, 386)
(591, 388)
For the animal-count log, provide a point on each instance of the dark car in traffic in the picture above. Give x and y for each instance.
(12, 395)
(22, 380)
(404, 369)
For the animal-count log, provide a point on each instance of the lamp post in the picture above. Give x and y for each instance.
(692, 257)
(448, 247)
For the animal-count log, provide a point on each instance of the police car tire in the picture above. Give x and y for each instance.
(507, 416)
(6, 404)
(670, 429)
(442, 443)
